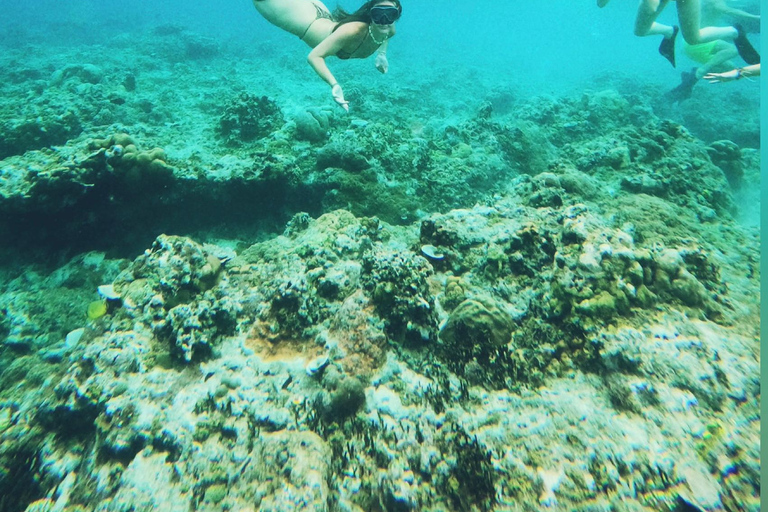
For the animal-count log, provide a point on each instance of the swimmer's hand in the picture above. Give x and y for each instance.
(338, 96)
(729, 76)
(381, 62)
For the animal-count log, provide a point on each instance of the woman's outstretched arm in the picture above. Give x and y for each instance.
(735, 74)
(330, 46)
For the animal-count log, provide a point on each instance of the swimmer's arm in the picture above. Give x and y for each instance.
(381, 62)
(736, 74)
(332, 45)
(753, 70)
(328, 47)
(319, 53)
(749, 71)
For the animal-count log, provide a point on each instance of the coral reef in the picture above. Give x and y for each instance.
(249, 117)
(312, 125)
(435, 302)
(476, 328)
(175, 288)
(286, 334)
(397, 283)
(134, 169)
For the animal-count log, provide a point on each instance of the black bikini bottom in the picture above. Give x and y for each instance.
(321, 14)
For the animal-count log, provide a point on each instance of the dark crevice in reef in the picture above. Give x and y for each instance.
(19, 481)
(123, 223)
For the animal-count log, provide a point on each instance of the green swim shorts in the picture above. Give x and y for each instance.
(700, 53)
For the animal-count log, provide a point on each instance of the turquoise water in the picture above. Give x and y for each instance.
(516, 275)
(566, 43)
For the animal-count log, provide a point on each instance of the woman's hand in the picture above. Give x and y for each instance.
(381, 62)
(728, 76)
(338, 96)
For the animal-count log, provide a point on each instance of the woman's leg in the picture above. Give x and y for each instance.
(720, 59)
(645, 25)
(689, 14)
(294, 16)
(321, 5)
(645, 21)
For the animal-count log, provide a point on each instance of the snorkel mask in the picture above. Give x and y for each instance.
(384, 14)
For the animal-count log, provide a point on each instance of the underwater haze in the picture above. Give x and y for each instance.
(521, 272)
(564, 42)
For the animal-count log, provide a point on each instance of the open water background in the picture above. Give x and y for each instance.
(551, 45)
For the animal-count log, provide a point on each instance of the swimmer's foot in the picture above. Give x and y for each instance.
(745, 48)
(684, 90)
(667, 46)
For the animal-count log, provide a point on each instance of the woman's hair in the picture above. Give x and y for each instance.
(362, 14)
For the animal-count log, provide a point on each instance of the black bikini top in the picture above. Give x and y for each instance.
(346, 55)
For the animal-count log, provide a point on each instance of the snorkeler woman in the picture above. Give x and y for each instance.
(341, 34)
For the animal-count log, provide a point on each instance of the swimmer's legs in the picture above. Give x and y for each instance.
(689, 14)
(720, 59)
(645, 21)
(321, 5)
(295, 16)
(646, 25)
